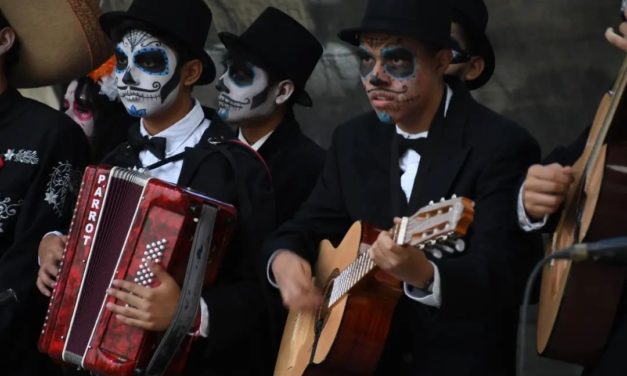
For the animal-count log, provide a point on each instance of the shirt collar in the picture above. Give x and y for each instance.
(179, 132)
(257, 144)
(411, 136)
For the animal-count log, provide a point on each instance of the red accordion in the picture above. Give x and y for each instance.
(123, 220)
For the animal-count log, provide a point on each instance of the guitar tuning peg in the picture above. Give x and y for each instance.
(454, 196)
(431, 202)
(442, 199)
(436, 253)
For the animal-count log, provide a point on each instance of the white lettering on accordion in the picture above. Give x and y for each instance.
(94, 206)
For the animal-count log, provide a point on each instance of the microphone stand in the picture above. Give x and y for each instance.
(576, 253)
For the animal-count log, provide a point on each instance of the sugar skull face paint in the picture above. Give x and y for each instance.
(397, 73)
(147, 74)
(244, 92)
(78, 110)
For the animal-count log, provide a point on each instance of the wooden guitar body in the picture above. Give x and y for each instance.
(578, 300)
(354, 330)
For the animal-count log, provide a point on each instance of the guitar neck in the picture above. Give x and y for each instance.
(351, 276)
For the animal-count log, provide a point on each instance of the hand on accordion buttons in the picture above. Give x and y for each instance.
(144, 307)
(50, 254)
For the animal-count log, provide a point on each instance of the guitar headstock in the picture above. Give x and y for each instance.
(441, 222)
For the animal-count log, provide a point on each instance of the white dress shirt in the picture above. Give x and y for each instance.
(257, 144)
(409, 163)
(185, 133)
(180, 135)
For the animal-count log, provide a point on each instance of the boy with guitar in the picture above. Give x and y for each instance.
(425, 140)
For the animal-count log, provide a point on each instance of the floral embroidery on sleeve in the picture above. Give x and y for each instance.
(62, 182)
(22, 156)
(7, 210)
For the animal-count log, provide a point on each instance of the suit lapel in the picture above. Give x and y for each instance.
(445, 154)
(216, 132)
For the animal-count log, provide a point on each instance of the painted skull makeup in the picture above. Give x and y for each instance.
(146, 74)
(397, 73)
(244, 93)
(78, 110)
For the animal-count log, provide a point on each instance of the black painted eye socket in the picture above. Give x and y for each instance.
(399, 62)
(242, 75)
(366, 63)
(152, 61)
(121, 60)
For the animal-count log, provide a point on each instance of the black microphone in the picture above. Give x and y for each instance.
(612, 249)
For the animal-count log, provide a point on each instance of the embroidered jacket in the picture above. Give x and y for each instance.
(42, 155)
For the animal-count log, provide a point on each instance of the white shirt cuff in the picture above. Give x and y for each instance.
(432, 296)
(204, 319)
(269, 273)
(526, 223)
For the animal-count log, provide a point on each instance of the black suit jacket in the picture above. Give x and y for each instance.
(237, 310)
(295, 162)
(474, 153)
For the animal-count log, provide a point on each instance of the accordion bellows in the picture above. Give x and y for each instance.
(123, 220)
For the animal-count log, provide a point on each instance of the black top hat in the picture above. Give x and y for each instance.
(185, 21)
(472, 15)
(283, 45)
(428, 21)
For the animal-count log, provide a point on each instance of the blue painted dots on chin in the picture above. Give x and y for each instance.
(385, 117)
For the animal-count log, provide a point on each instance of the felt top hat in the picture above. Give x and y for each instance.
(472, 15)
(428, 21)
(282, 44)
(185, 21)
(58, 39)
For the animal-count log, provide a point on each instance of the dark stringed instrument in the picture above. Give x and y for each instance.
(346, 335)
(578, 300)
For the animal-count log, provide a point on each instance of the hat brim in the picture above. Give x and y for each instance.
(112, 21)
(59, 40)
(231, 41)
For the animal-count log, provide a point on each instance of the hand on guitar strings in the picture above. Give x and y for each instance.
(294, 278)
(149, 308)
(403, 262)
(50, 254)
(545, 188)
(618, 40)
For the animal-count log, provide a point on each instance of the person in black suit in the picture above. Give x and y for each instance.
(539, 202)
(452, 317)
(267, 68)
(160, 57)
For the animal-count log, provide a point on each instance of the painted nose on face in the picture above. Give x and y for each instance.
(375, 80)
(221, 87)
(128, 79)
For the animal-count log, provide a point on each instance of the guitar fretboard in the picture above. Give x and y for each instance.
(350, 276)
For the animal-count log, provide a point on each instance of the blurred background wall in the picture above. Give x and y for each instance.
(553, 66)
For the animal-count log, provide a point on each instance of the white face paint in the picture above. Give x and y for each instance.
(244, 93)
(146, 74)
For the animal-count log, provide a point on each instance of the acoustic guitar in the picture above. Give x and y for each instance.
(578, 300)
(345, 336)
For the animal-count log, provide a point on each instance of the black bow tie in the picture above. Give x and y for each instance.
(416, 144)
(155, 145)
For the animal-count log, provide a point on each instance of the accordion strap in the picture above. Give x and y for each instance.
(190, 294)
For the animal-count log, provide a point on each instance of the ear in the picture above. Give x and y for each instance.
(285, 90)
(7, 39)
(476, 65)
(443, 59)
(191, 72)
